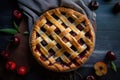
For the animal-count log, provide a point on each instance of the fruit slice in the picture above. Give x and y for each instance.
(100, 68)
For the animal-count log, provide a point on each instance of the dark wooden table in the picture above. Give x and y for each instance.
(107, 38)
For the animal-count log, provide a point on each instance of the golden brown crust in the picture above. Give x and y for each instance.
(51, 24)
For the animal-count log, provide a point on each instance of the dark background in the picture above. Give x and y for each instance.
(6, 8)
(107, 38)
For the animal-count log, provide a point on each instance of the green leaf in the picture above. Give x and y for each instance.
(113, 66)
(26, 33)
(8, 31)
(16, 26)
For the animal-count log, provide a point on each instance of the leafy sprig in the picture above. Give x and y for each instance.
(13, 30)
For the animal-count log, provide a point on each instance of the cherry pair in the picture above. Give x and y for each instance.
(11, 66)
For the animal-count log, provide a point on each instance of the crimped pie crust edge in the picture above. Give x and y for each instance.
(61, 68)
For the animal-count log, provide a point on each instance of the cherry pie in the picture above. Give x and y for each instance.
(62, 39)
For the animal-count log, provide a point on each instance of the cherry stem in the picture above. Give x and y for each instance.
(113, 66)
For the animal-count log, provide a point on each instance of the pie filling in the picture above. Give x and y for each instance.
(52, 52)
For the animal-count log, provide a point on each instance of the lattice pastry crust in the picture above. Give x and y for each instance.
(62, 39)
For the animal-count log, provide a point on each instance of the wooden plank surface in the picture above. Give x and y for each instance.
(108, 32)
(107, 38)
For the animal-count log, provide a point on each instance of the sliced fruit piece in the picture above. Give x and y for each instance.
(100, 68)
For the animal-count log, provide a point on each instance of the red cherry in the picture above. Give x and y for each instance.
(15, 41)
(10, 65)
(93, 5)
(116, 8)
(110, 56)
(5, 54)
(22, 70)
(17, 14)
(90, 77)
